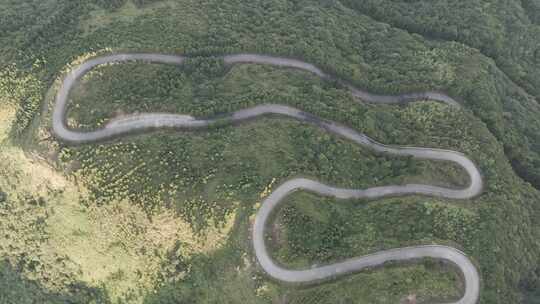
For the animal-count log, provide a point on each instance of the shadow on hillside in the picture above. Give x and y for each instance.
(15, 289)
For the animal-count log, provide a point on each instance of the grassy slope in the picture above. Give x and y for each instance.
(416, 124)
(371, 54)
(58, 248)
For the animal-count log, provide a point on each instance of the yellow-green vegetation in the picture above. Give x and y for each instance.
(201, 188)
(55, 237)
(117, 247)
(122, 248)
(200, 174)
(7, 116)
(127, 12)
(19, 90)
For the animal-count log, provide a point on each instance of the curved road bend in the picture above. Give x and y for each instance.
(130, 123)
(356, 92)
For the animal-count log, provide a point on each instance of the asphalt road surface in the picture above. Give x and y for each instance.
(144, 122)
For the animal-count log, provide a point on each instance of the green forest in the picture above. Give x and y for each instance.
(164, 217)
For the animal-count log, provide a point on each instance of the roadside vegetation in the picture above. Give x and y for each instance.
(373, 55)
(505, 31)
(126, 222)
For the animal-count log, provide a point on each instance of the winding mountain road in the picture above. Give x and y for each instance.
(130, 123)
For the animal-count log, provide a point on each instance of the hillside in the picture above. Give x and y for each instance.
(166, 216)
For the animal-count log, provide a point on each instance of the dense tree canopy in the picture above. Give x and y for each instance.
(483, 53)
